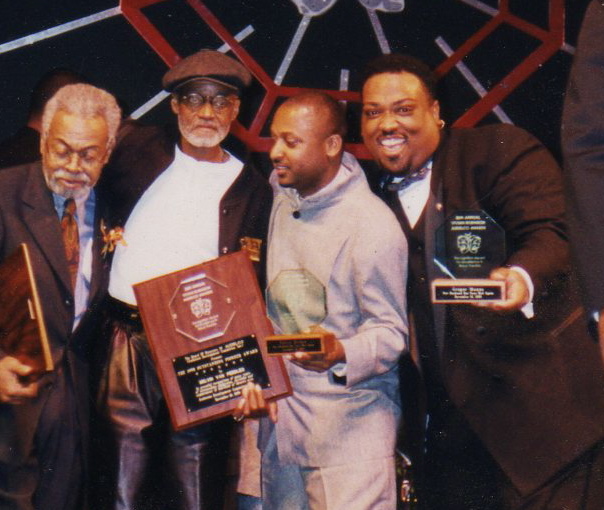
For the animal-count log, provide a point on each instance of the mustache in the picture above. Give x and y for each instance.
(211, 125)
(61, 173)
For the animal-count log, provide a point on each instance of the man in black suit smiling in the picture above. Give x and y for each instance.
(515, 388)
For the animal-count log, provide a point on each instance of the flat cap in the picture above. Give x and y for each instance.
(210, 65)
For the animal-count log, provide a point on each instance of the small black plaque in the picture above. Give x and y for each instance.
(217, 374)
(287, 344)
(467, 290)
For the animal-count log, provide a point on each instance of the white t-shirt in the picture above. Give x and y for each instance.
(174, 224)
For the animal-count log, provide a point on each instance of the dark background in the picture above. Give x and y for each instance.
(114, 55)
(129, 52)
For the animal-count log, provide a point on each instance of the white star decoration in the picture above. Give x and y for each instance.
(319, 7)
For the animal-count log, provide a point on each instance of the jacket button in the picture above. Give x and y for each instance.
(481, 330)
(225, 211)
(68, 302)
(224, 250)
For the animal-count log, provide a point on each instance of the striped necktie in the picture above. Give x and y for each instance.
(71, 239)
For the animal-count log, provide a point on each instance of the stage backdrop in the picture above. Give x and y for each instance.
(499, 60)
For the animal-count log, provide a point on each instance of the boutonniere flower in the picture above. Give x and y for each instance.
(111, 238)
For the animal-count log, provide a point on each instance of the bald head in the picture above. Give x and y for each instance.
(329, 114)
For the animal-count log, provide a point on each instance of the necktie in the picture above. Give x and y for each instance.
(398, 183)
(71, 239)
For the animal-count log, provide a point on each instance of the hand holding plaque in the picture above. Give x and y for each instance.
(469, 245)
(252, 404)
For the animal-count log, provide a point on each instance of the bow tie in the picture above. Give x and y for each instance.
(396, 183)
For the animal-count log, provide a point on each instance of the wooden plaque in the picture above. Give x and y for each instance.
(22, 330)
(206, 326)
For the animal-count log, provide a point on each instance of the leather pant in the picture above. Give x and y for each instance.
(133, 401)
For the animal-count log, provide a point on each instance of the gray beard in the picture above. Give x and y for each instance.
(205, 141)
(54, 184)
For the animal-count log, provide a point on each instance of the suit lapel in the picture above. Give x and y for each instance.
(98, 261)
(434, 217)
(43, 223)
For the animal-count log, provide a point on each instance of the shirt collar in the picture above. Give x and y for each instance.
(59, 201)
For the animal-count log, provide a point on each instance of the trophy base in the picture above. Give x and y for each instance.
(468, 290)
(277, 345)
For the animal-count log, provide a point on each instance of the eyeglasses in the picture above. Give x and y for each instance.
(195, 101)
(87, 158)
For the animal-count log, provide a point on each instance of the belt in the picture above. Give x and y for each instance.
(124, 312)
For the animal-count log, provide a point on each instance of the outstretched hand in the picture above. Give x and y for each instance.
(516, 291)
(333, 353)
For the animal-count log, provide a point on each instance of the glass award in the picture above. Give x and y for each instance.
(469, 245)
(297, 304)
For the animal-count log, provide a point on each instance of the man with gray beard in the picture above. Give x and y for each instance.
(190, 202)
(44, 417)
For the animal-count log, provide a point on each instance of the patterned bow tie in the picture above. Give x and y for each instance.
(396, 183)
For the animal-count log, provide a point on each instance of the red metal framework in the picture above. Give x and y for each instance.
(551, 40)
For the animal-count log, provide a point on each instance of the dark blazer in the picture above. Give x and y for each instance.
(144, 152)
(531, 389)
(583, 149)
(27, 215)
(141, 154)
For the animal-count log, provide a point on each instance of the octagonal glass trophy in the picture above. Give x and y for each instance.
(468, 246)
(206, 327)
(296, 304)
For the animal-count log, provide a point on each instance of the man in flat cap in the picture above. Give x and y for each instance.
(188, 202)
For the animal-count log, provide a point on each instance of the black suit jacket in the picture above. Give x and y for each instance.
(583, 149)
(27, 215)
(531, 389)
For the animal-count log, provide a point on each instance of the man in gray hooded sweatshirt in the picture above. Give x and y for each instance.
(336, 263)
